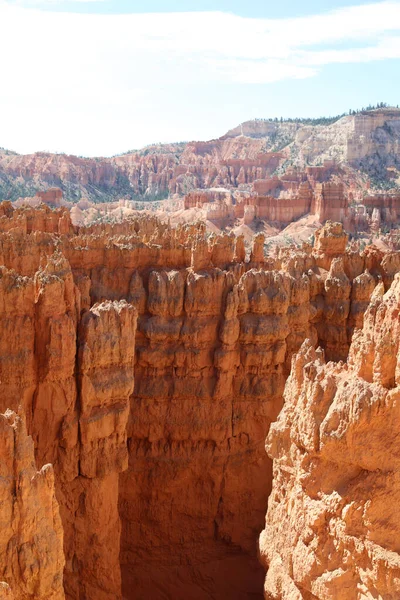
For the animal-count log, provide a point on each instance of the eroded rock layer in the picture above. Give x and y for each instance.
(72, 374)
(332, 526)
(162, 486)
(246, 155)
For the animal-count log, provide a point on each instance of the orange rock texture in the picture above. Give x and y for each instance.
(332, 525)
(31, 541)
(149, 363)
(70, 367)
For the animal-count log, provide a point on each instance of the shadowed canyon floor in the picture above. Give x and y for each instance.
(147, 364)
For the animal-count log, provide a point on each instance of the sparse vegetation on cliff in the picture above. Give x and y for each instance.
(326, 120)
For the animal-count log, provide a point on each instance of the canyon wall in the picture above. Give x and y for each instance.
(72, 377)
(332, 526)
(330, 202)
(153, 173)
(253, 151)
(162, 487)
(276, 200)
(210, 371)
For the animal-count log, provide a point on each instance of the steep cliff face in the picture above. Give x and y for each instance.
(210, 371)
(151, 174)
(332, 522)
(162, 486)
(106, 348)
(76, 406)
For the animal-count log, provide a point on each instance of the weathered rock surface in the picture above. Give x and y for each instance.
(106, 352)
(31, 541)
(253, 151)
(163, 486)
(332, 525)
(76, 404)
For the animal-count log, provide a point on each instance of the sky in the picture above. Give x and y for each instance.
(101, 77)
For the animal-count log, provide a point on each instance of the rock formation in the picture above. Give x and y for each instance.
(162, 485)
(31, 541)
(332, 522)
(76, 405)
(253, 151)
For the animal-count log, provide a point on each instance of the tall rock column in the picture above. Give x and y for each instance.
(54, 410)
(105, 379)
(333, 327)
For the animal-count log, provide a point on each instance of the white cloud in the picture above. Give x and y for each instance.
(67, 76)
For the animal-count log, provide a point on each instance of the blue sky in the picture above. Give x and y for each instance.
(104, 76)
(250, 8)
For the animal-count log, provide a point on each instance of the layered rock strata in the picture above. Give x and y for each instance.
(168, 480)
(253, 151)
(73, 377)
(106, 352)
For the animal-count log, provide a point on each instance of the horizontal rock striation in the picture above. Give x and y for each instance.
(253, 151)
(150, 363)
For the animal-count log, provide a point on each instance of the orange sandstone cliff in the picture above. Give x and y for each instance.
(149, 363)
(362, 145)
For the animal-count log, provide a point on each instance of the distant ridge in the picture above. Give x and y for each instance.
(367, 140)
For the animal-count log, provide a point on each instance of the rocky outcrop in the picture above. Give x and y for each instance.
(385, 208)
(330, 242)
(52, 196)
(31, 541)
(210, 372)
(106, 351)
(330, 202)
(332, 522)
(151, 173)
(27, 220)
(278, 200)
